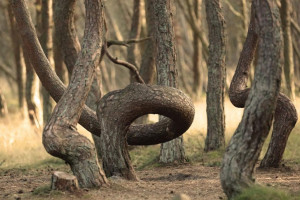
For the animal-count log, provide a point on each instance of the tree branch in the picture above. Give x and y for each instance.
(126, 42)
(233, 10)
(295, 25)
(128, 65)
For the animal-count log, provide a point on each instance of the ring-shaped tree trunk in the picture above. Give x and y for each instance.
(118, 109)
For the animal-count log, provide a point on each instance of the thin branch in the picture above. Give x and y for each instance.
(126, 42)
(233, 10)
(295, 25)
(127, 65)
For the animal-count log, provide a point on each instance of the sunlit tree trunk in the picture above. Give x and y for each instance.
(17, 49)
(165, 57)
(134, 33)
(215, 138)
(32, 93)
(197, 53)
(47, 45)
(285, 12)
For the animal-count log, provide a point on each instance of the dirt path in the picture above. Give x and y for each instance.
(197, 181)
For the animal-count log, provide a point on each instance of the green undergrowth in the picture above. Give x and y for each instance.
(266, 193)
(148, 156)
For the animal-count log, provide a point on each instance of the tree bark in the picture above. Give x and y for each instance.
(60, 137)
(67, 38)
(285, 13)
(216, 77)
(149, 134)
(32, 92)
(134, 33)
(127, 105)
(285, 113)
(166, 68)
(246, 144)
(47, 45)
(147, 69)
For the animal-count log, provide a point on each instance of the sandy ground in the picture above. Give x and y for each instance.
(195, 180)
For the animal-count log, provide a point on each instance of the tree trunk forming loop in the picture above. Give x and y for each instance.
(285, 116)
(118, 109)
(137, 134)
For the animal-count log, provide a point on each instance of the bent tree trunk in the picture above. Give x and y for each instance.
(149, 134)
(127, 105)
(215, 138)
(66, 36)
(60, 137)
(285, 114)
(246, 144)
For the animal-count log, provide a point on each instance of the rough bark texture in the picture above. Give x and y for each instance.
(246, 144)
(60, 137)
(47, 45)
(166, 68)
(69, 42)
(127, 105)
(137, 134)
(285, 12)
(285, 114)
(216, 77)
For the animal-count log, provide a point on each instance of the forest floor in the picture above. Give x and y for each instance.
(25, 167)
(195, 180)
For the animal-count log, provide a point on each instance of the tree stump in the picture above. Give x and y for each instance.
(63, 181)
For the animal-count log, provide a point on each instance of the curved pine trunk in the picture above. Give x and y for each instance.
(118, 109)
(245, 145)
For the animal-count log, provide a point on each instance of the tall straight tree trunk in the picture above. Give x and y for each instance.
(245, 146)
(32, 92)
(172, 151)
(288, 48)
(134, 33)
(17, 49)
(216, 77)
(47, 45)
(147, 69)
(197, 53)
